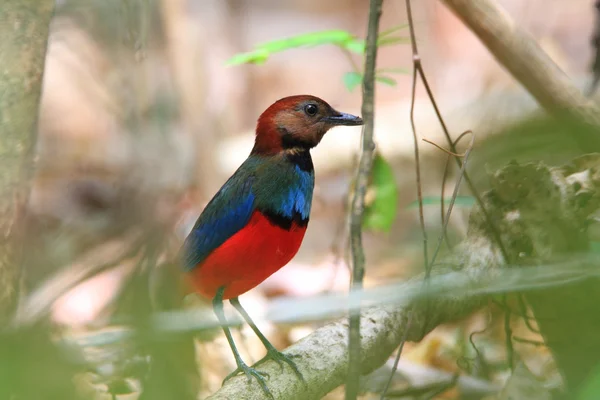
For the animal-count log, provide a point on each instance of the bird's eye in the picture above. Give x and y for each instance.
(311, 109)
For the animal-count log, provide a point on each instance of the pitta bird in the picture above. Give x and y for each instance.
(255, 223)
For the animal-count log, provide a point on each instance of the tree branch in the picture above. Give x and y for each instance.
(519, 53)
(24, 26)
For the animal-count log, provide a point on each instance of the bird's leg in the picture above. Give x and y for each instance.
(272, 352)
(241, 365)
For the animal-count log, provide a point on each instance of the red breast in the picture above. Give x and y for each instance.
(247, 258)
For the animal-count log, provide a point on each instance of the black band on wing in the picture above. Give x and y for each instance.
(285, 222)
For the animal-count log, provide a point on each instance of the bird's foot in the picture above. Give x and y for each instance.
(251, 372)
(280, 358)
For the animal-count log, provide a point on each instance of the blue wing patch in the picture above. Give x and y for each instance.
(299, 196)
(227, 213)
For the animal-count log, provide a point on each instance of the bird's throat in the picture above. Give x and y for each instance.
(300, 157)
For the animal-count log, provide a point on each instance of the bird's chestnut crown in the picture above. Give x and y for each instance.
(297, 122)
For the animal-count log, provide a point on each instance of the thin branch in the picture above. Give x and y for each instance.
(397, 358)
(358, 201)
(519, 53)
(454, 195)
(523, 314)
(520, 313)
(444, 178)
(450, 153)
(508, 336)
(478, 356)
(413, 42)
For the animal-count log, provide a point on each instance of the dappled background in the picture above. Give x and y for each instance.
(142, 119)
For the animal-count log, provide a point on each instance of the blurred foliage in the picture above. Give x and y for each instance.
(534, 138)
(344, 40)
(35, 367)
(595, 247)
(380, 212)
(41, 361)
(591, 388)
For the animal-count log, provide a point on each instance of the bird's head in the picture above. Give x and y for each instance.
(297, 122)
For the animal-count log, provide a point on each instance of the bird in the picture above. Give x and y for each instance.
(255, 223)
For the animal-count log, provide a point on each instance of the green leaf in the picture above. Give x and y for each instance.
(262, 52)
(258, 56)
(386, 80)
(352, 80)
(355, 46)
(461, 201)
(336, 37)
(381, 213)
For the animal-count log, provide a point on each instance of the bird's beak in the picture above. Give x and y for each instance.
(340, 118)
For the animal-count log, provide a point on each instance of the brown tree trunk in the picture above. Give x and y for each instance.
(24, 27)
